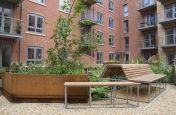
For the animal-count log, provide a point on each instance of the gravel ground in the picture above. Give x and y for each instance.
(165, 104)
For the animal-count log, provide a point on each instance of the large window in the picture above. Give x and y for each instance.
(111, 56)
(111, 5)
(171, 36)
(35, 23)
(34, 55)
(125, 10)
(150, 40)
(99, 2)
(170, 11)
(148, 2)
(171, 56)
(126, 26)
(150, 19)
(126, 43)
(99, 17)
(100, 37)
(99, 57)
(40, 1)
(64, 5)
(111, 40)
(111, 22)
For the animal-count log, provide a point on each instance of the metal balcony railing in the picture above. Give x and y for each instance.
(90, 2)
(10, 27)
(147, 24)
(146, 3)
(87, 18)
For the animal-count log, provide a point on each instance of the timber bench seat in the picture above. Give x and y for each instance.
(140, 73)
(109, 84)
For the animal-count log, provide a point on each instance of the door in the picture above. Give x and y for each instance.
(6, 55)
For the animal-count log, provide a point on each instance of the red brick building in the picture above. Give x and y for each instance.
(127, 29)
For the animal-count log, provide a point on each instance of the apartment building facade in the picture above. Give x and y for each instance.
(26, 27)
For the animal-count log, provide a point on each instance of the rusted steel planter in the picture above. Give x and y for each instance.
(29, 86)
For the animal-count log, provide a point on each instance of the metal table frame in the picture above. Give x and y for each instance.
(112, 97)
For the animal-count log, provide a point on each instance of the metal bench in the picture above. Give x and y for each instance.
(93, 84)
(140, 73)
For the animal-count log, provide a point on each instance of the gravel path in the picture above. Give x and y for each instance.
(165, 104)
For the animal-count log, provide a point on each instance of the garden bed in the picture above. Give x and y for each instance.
(42, 87)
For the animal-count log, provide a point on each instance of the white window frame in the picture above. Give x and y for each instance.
(111, 40)
(100, 2)
(99, 18)
(35, 54)
(111, 5)
(61, 5)
(125, 10)
(171, 35)
(35, 26)
(100, 55)
(111, 22)
(101, 38)
(171, 8)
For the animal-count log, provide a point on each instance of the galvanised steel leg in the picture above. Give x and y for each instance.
(160, 86)
(138, 96)
(111, 95)
(149, 92)
(131, 91)
(163, 85)
(155, 88)
(90, 97)
(127, 96)
(65, 97)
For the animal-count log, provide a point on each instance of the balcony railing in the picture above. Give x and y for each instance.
(87, 19)
(90, 2)
(146, 4)
(10, 27)
(147, 25)
(13, 1)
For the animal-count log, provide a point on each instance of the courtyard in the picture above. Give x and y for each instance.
(162, 105)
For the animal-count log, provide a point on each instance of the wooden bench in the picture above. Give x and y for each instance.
(140, 73)
(93, 84)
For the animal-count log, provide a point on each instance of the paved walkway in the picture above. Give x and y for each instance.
(165, 104)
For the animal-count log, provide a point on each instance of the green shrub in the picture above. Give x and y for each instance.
(160, 68)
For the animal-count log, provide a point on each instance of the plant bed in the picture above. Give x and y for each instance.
(47, 88)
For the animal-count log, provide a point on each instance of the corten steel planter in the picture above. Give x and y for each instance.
(45, 87)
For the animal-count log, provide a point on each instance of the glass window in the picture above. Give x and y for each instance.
(111, 22)
(40, 1)
(64, 5)
(35, 23)
(171, 36)
(111, 5)
(99, 2)
(99, 57)
(100, 37)
(126, 26)
(111, 56)
(170, 11)
(150, 40)
(125, 10)
(35, 54)
(126, 43)
(99, 18)
(111, 40)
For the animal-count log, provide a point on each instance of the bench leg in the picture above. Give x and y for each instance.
(111, 95)
(149, 86)
(127, 96)
(137, 96)
(90, 97)
(159, 86)
(65, 97)
(155, 88)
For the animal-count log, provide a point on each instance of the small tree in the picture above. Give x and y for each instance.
(66, 46)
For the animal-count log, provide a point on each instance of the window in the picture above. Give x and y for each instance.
(148, 2)
(100, 37)
(150, 19)
(40, 1)
(170, 11)
(125, 10)
(64, 5)
(99, 2)
(111, 40)
(126, 58)
(99, 57)
(150, 40)
(171, 56)
(111, 5)
(126, 26)
(34, 55)
(171, 36)
(99, 18)
(111, 56)
(111, 22)
(126, 43)
(35, 23)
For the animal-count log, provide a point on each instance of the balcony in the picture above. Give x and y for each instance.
(10, 27)
(90, 2)
(14, 1)
(87, 19)
(152, 47)
(147, 5)
(168, 19)
(150, 25)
